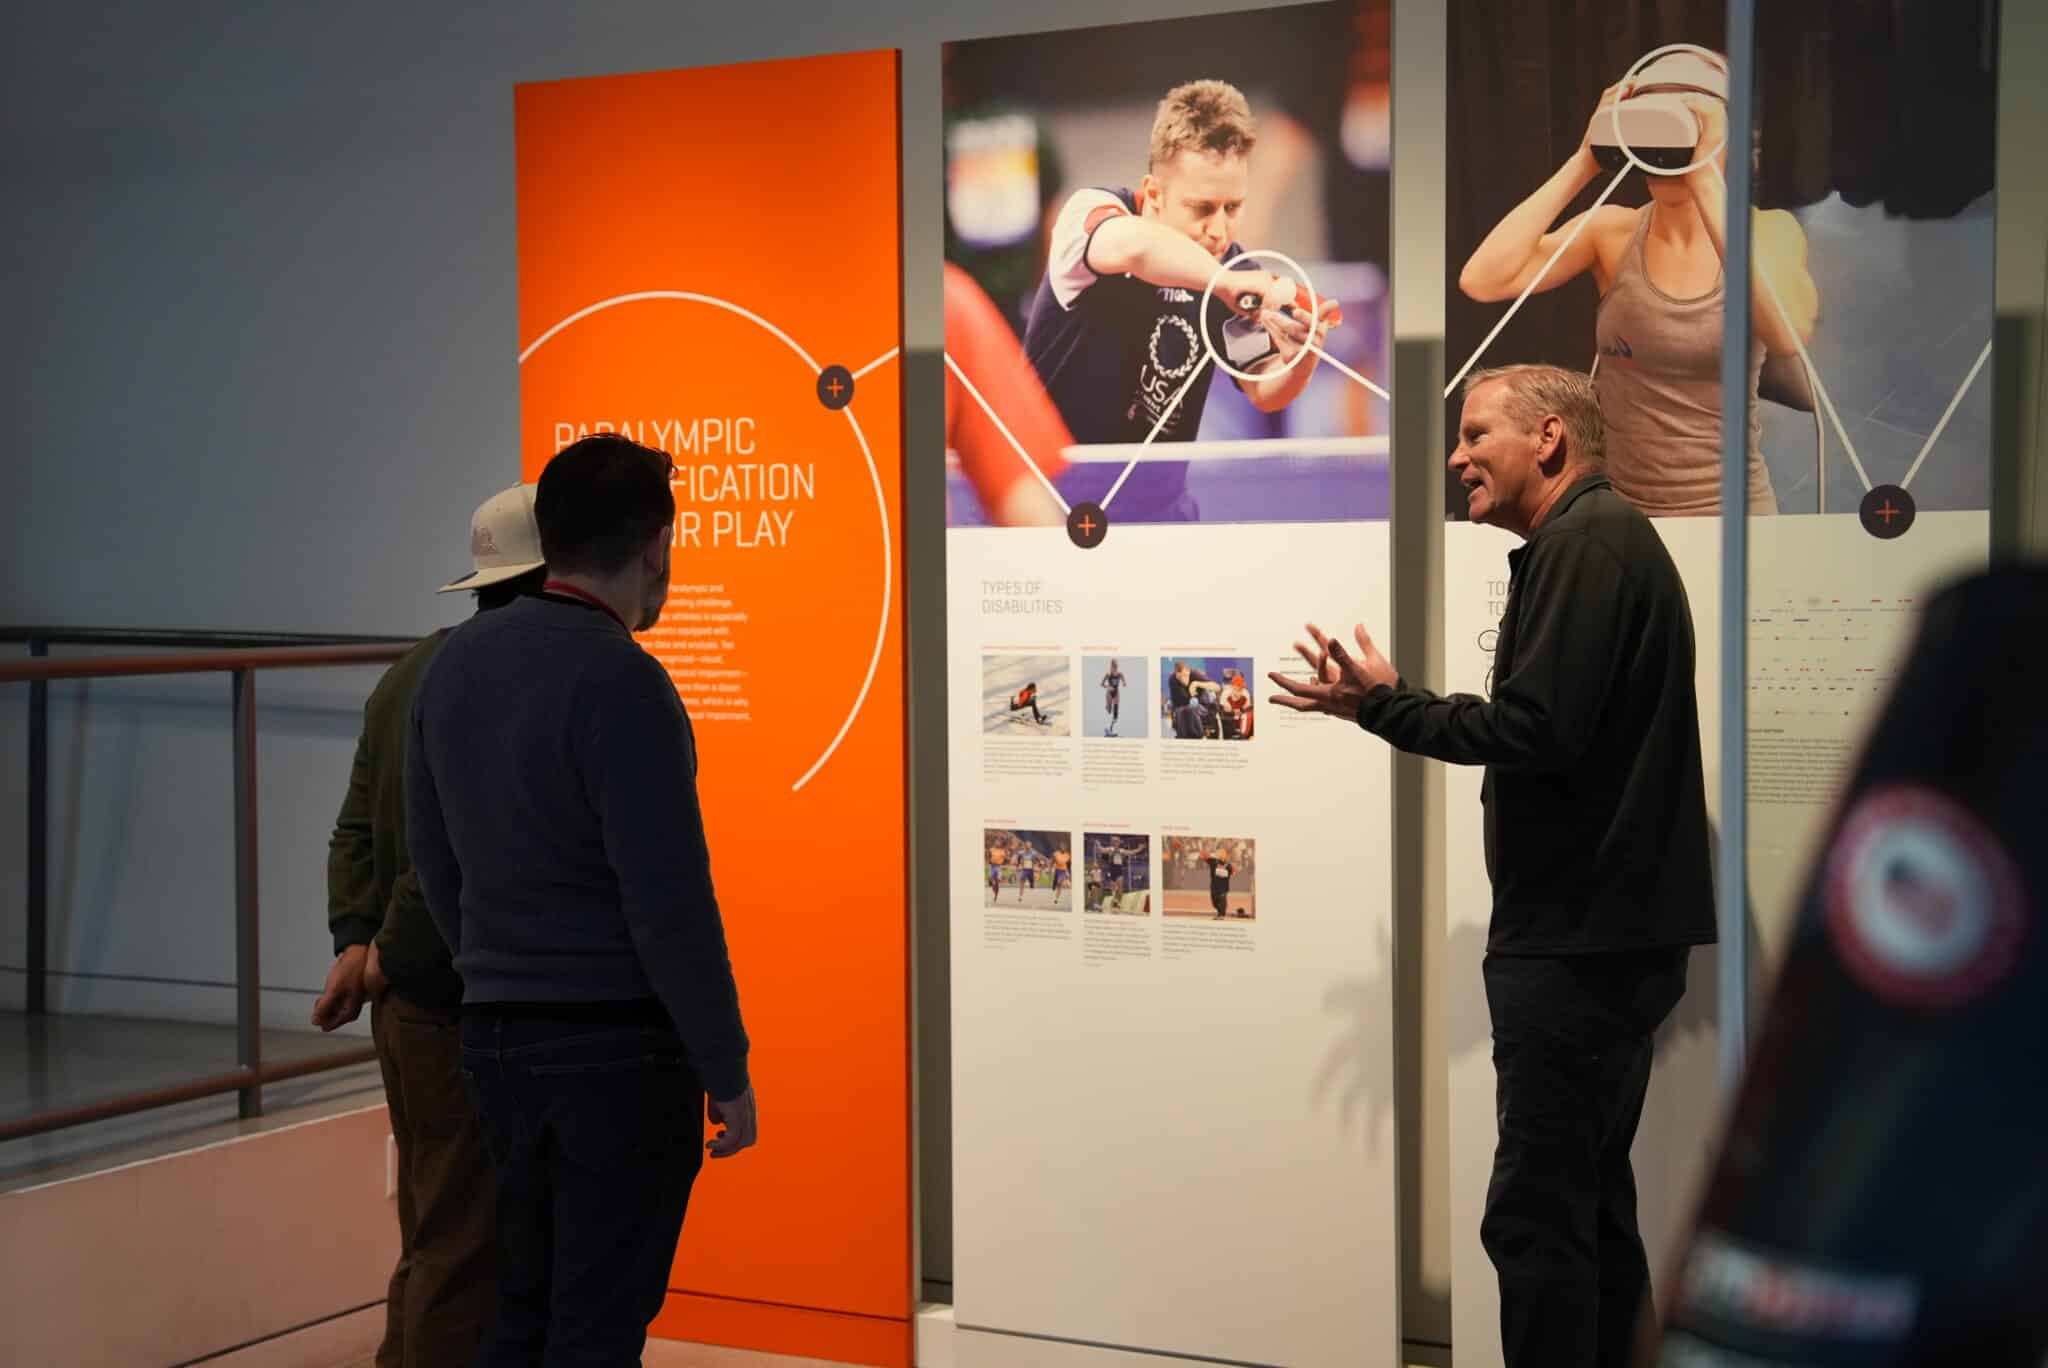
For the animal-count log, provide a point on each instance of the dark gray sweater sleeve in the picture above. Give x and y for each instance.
(642, 767)
(426, 838)
(1545, 712)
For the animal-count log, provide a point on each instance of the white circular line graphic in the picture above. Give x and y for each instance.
(1314, 312)
(1614, 112)
(867, 454)
(684, 297)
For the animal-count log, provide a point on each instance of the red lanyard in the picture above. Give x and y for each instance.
(583, 596)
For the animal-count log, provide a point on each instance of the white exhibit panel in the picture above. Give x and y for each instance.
(1173, 1129)
(1171, 924)
(1831, 615)
(1581, 200)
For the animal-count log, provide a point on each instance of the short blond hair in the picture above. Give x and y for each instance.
(1539, 392)
(1202, 116)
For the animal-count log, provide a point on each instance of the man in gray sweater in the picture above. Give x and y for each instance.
(552, 816)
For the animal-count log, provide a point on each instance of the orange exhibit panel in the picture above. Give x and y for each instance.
(709, 262)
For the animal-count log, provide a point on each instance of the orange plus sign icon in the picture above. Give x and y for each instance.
(1887, 512)
(1087, 525)
(835, 387)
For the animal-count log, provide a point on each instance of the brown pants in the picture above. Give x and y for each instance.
(444, 1290)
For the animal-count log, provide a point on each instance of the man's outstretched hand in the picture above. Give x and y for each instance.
(1338, 680)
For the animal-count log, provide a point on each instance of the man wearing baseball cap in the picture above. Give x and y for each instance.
(389, 954)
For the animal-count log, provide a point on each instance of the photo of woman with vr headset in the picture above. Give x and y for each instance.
(1658, 268)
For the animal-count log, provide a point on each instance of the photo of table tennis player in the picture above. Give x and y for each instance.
(1201, 374)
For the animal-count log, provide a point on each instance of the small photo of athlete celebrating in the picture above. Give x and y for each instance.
(1031, 870)
(1211, 877)
(1153, 206)
(1115, 696)
(1119, 873)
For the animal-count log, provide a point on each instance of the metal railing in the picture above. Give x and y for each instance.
(240, 655)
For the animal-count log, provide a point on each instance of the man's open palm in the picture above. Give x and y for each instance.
(1338, 680)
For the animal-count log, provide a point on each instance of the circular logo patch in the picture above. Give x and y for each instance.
(1188, 351)
(1923, 902)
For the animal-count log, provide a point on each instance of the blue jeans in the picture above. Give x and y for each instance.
(596, 1132)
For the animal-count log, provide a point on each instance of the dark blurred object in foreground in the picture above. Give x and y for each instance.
(1882, 1194)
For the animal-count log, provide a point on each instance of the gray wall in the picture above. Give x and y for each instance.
(260, 280)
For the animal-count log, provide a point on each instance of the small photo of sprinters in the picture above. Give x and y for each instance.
(1033, 870)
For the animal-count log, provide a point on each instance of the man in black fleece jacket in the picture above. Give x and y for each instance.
(1596, 842)
(552, 816)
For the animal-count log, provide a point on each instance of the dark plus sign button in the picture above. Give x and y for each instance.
(1087, 524)
(1887, 512)
(835, 387)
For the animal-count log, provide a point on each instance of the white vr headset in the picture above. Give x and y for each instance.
(1653, 121)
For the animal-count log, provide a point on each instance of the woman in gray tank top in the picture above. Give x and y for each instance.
(1658, 328)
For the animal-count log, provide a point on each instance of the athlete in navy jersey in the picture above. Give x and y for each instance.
(1116, 862)
(1116, 327)
(1115, 350)
(1220, 870)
